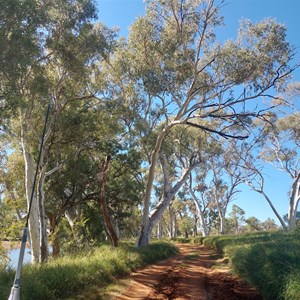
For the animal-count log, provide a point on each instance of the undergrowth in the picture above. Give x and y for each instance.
(66, 276)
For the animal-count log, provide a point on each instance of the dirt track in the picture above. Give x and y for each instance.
(196, 273)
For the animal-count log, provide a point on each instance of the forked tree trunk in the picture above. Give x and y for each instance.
(221, 214)
(145, 231)
(169, 194)
(200, 213)
(110, 229)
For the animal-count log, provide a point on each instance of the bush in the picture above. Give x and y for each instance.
(64, 277)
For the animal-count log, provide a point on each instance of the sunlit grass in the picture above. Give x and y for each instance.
(270, 261)
(67, 276)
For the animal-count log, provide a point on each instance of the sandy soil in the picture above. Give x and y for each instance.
(197, 273)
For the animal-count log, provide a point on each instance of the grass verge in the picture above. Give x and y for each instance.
(272, 266)
(67, 276)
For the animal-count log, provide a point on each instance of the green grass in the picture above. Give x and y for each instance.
(220, 242)
(65, 277)
(292, 286)
(193, 240)
(270, 261)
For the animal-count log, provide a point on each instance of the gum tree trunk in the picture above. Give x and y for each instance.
(200, 213)
(110, 229)
(168, 196)
(294, 201)
(34, 226)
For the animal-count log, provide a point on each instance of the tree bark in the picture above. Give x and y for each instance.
(54, 236)
(169, 194)
(260, 191)
(34, 226)
(222, 222)
(144, 235)
(171, 223)
(200, 213)
(110, 229)
(294, 201)
(42, 217)
(160, 229)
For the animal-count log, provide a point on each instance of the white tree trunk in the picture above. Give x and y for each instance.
(159, 229)
(294, 201)
(144, 234)
(169, 194)
(261, 191)
(71, 216)
(171, 231)
(222, 221)
(221, 214)
(200, 213)
(145, 231)
(34, 225)
(42, 218)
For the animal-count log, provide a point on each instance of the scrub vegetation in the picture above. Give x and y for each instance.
(67, 276)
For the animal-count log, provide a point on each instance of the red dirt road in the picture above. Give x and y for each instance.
(195, 274)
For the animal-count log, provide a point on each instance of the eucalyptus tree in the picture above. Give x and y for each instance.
(250, 166)
(237, 215)
(61, 72)
(269, 225)
(281, 147)
(173, 72)
(197, 189)
(253, 224)
(19, 50)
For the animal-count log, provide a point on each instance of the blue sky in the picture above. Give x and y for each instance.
(122, 13)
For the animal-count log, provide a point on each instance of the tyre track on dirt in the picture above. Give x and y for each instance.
(187, 276)
(180, 277)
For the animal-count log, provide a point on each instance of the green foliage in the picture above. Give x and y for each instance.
(64, 277)
(3, 257)
(193, 240)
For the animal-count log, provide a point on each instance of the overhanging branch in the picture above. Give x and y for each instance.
(225, 135)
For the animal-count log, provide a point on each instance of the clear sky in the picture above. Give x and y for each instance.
(122, 13)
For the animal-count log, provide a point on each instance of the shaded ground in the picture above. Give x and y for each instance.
(196, 273)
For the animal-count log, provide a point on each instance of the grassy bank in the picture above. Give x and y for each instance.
(271, 265)
(270, 261)
(65, 277)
